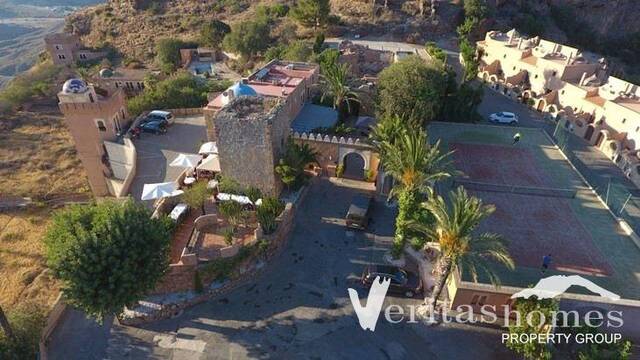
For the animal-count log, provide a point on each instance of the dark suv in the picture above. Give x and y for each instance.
(402, 281)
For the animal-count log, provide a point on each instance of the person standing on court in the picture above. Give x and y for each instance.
(516, 138)
(546, 261)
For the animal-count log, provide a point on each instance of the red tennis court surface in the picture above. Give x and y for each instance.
(534, 225)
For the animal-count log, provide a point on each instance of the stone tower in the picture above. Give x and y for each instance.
(93, 117)
(251, 133)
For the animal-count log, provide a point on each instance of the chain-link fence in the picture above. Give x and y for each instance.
(622, 197)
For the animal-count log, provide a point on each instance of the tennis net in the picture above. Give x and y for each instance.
(516, 189)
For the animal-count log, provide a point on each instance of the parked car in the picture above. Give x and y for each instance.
(164, 116)
(154, 127)
(402, 282)
(503, 117)
(358, 214)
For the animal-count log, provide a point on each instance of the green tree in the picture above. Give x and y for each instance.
(318, 43)
(532, 350)
(412, 89)
(298, 50)
(213, 32)
(454, 229)
(471, 62)
(461, 105)
(386, 132)
(107, 255)
(267, 213)
(415, 165)
(168, 53)
(248, 38)
(311, 12)
(335, 84)
(196, 195)
(291, 166)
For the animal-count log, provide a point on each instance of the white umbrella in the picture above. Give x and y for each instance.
(211, 163)
(212, 184)
(160, 190)
(208, 148)
(186, 160)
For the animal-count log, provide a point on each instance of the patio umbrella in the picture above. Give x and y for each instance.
(211, 163)
(160, 190)
(186, 160)
(208, 148)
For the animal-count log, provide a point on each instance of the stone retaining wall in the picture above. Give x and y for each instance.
(181, 277)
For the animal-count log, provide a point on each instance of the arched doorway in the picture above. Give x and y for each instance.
(589, 133)
(541, 105)
(353, 166)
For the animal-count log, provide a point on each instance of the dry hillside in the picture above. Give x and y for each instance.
(38, 161)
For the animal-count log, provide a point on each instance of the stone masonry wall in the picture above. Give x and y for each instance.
(246, 142)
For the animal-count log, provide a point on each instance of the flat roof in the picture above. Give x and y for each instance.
(312, 117)
(581, 235)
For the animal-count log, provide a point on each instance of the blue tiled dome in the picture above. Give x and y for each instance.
(240, 89)
(74, 86)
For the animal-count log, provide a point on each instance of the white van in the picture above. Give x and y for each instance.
(161, 115)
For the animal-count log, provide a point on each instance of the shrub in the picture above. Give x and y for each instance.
(232, 211)
(229, 186)
(182, 90)
(228, 236)
(371, 175)
(436, 52)
(212, 33)
(267, 213)
(26, 320)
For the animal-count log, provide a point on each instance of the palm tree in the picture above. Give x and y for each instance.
(460, 246)
(387, 131)
(335, 84)
(415, 165)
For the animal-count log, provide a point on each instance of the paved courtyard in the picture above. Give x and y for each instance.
(155, 152)
(299, 307)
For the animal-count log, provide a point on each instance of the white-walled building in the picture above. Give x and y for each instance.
(563, 81)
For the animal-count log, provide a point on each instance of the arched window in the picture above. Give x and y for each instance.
(101, 126)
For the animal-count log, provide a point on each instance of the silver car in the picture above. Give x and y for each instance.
(504, 117)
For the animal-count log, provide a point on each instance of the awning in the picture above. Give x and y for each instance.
(211, 163)
(208, 148)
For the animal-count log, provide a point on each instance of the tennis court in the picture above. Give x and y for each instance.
(542, 207)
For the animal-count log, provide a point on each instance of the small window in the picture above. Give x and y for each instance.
(562, 92)
(535, 77)
(637, 128)
(514, 68)
(101, 126)
(474, 299)
(624, 121)
(504, 56)
(554, 73)
(58, 47)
